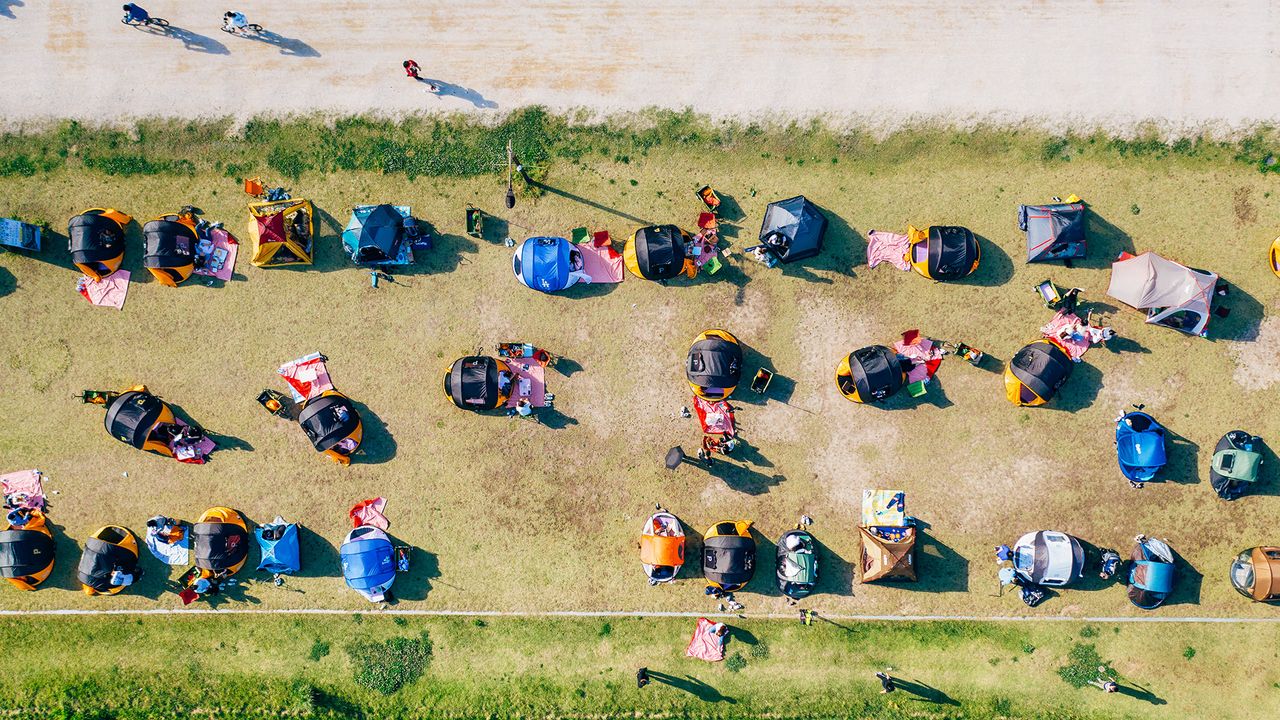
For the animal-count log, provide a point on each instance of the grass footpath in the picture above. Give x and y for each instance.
(364, 666)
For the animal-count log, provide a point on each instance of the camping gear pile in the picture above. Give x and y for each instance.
(515, 380)
(888, 537)
(875, 373)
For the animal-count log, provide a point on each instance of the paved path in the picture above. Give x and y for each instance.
(1079, 64)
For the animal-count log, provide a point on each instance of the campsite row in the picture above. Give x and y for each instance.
(219, 539)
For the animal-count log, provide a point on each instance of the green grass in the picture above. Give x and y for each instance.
(255, 667)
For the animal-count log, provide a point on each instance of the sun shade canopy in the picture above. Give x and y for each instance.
(168, 244)
(473, 383)
(1043, 367)
(714, 363)
(1054, 232)
(876, 371)
(659, 251)
(24, 552)
(131, 416)
(93, 237)
(729, 559)
(100, 559)
(328, 419)
(799, 223)
(952, 251)
(1174, 295)
(219, 545)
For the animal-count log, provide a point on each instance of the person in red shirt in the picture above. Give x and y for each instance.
(412, 69)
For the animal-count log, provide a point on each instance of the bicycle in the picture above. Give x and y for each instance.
(254, 28)
(149, 22)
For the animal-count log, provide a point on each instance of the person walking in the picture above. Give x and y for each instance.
(411, 69)
(1103, 682)
(886, 683)
(642, 677)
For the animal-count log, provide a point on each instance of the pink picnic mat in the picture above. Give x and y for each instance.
(887, 247)
(222, 256)
(23, 489)
(705, 644)
(601, 263)
(108, 292)
(921, 352)
(530, 381)
(307, 377)
(1070, 331)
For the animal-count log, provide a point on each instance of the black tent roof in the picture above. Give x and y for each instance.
(131, 416)
(219, 545)
(1054, 232)
(877, 372)
(328, 419)
(952, 251)
(659, 251)
(729, 559)
(1043, 367)
(92, 237)
(800, 222)
(714, 363)
(381, 234)
(24, 552)
(167, 244)
(472, 383)
(99, 559)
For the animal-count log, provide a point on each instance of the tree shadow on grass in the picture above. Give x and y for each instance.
(691, 685)
(378, 444)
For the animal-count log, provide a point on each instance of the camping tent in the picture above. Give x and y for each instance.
(729, 555)
(796, 225)
(1036, 372)
(27, 553)
(95, 238)
(888, 538)
(1151, 574)
(943, 252)
(662, 547)
(368, 562)
(1173, 295)
(1054, 232)
(1048, 557)
(221, 541)
(545, 263)
(656, 252)
(169, 247)
(278, 543)
(283, 232)
(1255, 573)
(1139, 446)
(133, 418)
(473, 383)
(375, 234)
(796, 563)
(714, 364)
(109, 549)
(870, 374)
(333, 426)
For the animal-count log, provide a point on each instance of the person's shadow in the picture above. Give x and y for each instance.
(1138, 692)
(691, 685)
(445, 89)
(924, 693)
(192, 41)
(288, 46)
(7, 6)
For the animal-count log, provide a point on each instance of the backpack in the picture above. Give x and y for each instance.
(1033, 595)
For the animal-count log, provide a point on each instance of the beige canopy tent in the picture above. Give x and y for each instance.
(1173, 295)
(888, 537)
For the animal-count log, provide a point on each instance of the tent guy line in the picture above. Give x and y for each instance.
(640, 614)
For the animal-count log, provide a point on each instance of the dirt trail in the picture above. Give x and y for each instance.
(1109, 64)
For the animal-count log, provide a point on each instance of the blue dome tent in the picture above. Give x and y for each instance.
(546, 264)
(278, 541)
(377, 234)
(1139, 446)
(368, 562)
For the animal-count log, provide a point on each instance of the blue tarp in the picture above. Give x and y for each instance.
(279, 556)
(542, 263)
(368, 564)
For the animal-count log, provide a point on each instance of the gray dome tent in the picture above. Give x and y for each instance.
(1054, 232)
(793, 229)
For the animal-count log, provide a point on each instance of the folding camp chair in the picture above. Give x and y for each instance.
(709, 198)
(275, 403)
(475, 221)
(98, 397)
(254, 187)
(600, 238)
(1049, 293)
(579, 235)
(761, 381)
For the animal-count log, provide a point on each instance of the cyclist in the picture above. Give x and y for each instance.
(135, 14)
(233, 21)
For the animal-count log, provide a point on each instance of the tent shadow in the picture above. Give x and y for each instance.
(935, 395)
(193, 41)
(223, 442)
(1268, 482)
(995, 269)
(446, 255)
(424, 567)
(378, 445)
(765, 580)
(843, 247)
(693, 686)
(781, 387)
(939, 568)
(589, 203)
(1104, 241)
(1245, 320)
(1181, 456)
(923, 692)
(288, 46)
(1080, 390)
(1186, 587)
(582, 290)
(835, 574)
(693, 552)
(319, 556)
(8, 283)
(730, 210)
(63, 575)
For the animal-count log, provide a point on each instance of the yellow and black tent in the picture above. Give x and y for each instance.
(96, 240)
(169, 243)
(27, 552)
(283, 232)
